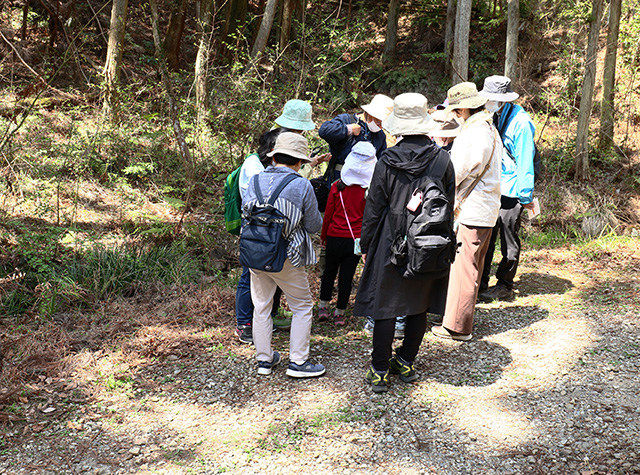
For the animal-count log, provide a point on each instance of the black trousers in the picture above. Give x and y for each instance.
(339, 257)
(383, 340)
(508, 226)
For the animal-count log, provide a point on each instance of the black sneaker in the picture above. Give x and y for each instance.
(305, 370)
(397, 365)
(245, 334)
(497, 292)
(265, 367)
(378, 380)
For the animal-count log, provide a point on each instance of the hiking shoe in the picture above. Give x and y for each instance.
(245, 334)
(442, 332)
(323, 314)
(339, 319)
(401, 324)
(305, 370)
(379, 380)
(497, 292)
(397, 365)
(368, 326)
(265, 367)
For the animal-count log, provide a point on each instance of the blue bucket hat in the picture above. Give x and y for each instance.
(296, 115)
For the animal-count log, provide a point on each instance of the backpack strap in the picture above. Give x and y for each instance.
(284, 182)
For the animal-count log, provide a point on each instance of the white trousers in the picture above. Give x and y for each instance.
(295, 286)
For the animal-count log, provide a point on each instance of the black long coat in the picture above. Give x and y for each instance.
(383, 292)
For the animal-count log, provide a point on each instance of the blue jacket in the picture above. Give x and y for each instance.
(517, 132)
(335, 133)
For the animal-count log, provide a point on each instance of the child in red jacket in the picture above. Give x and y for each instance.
(341, 228)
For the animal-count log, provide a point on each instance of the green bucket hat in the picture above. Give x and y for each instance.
(296, 115)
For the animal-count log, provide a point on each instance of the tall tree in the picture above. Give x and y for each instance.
(205, 25)
(586, 100)
(609, 80)
(265, 28)
(513, 27)
(175, 28)
(460, 63)
(285, 24)
(391, 38)
(114, 56)
(233, 18)
(448, 36)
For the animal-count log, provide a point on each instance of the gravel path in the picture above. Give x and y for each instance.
(549, 384)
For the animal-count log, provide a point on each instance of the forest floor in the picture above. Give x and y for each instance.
(549, 384)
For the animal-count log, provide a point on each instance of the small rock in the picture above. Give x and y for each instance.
(134, 450)
(172, 357)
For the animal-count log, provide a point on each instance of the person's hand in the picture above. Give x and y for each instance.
(314, 161)
(364, 258)
(325, 157)
(323, 244)
(355, 129)
(528, 206)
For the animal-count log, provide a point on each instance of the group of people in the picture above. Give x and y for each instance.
(474, 152)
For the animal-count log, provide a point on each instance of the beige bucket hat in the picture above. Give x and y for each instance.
(444, 124)
(292, 144)
(380, 106)
(410, 115)
(464, 96)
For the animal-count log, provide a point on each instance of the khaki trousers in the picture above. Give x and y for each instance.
(295, 286)
(464, 278)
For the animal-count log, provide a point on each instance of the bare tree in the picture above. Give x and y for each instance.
(513, 27)
(285, 24)
(265, 28)
(391, 37)
(460, 64)
(448, 36)
(609, 80)
(205, 23)
(114, 56)
(175, 28)
(586, 101)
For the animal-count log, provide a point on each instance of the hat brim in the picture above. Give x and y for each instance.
(295, 124)
(506, 97)
(468, 103)
(377, 112)
(290, 153)
(445, 133)
(398, 126)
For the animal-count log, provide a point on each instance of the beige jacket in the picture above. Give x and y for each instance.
(470, 153)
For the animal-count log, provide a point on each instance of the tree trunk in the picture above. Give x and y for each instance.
(448, 36)
(114, 57)
(175, 28)
(460, 64)
(586, 101)
(391, 37)
(265, 28)
(513, 27)
(285, 24)
(205, 22)
(173, 107)
(235, 14)
(608, 82)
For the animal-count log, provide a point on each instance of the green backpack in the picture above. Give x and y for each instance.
(233, 202)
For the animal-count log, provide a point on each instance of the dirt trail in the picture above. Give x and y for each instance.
(549, 384)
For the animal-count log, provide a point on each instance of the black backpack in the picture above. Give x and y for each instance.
(262, 243)
(425, 247)
(537, 158)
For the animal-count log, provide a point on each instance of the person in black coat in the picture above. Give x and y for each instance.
(383, 292)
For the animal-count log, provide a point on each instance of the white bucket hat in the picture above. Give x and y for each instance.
(409, 116)
(296, 115)
(498, 88)
(359, 164)
(380, 107)
(464, 96)
(444, 124)
(293, 145)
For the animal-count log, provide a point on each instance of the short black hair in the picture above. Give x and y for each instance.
(266, 143)
(286, 159)
(476, 110)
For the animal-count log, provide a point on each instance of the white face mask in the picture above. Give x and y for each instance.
(373, 127)
(493, 106)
